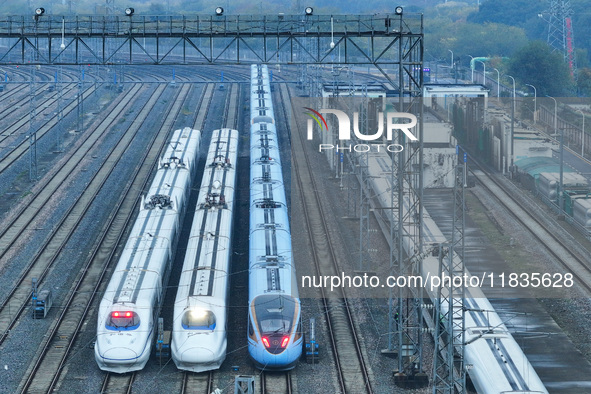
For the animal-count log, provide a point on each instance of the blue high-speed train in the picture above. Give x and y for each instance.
(274, 310)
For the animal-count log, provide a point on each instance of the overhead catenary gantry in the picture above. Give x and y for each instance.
(383, 41)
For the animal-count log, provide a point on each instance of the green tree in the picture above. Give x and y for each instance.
(490, 39)
(465, 39)
(584, 82)
(536, 64)
(508, 12)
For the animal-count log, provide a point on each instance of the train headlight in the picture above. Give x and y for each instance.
(284, 341)
(198, 313)
(198, 319)
(266, 342)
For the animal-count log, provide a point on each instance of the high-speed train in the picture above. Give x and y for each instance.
(274, 309)
(132, 300)
(199, 327)
(498, 363)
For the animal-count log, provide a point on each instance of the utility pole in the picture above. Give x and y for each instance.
(60, 111)
(32, 131)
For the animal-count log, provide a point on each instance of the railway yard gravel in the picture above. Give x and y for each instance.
(82, 375)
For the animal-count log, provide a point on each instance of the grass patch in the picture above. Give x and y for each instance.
(25, 194)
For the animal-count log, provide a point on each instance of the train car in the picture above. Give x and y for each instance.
(261, 104)
(582, 212)
(488, 339)
(130, 306)
(274, 314)
(542, 176)
(498, 364)
(493, 359)
(199, 334)
(548, 184)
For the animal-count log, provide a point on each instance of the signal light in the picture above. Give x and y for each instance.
(309, 10)
(219, 11)
(284, 341)
(266, 342)
(40, 11)
(129, 11)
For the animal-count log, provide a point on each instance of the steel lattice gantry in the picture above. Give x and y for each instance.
(204, 39)
(560, 31)
(449, 373)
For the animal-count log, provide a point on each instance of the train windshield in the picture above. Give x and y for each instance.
(198, 319)
(275, 314)
(123, 320)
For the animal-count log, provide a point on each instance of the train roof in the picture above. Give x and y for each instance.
(533, 166)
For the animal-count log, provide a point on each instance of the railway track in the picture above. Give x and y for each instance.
(353, 372)
(18, 95)
(22, 124)
(45, 373)
(202, 115)
(197, 383)
(572, 261)
(17, 298)
(230, 118)
(43, 125)
(15, 227)
(23, 146)
(118, 384)
(276, 383)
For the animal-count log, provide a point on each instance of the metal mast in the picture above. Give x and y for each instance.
(560, 32)
(407, 183)
(364, 205)
(32, 131)
(449, 374)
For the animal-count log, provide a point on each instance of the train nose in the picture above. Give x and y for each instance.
(120, 354)
(198, 355)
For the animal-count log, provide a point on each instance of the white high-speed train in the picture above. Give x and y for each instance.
(498, 363)
(274, 322)
(132, 300)
(199, 327)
